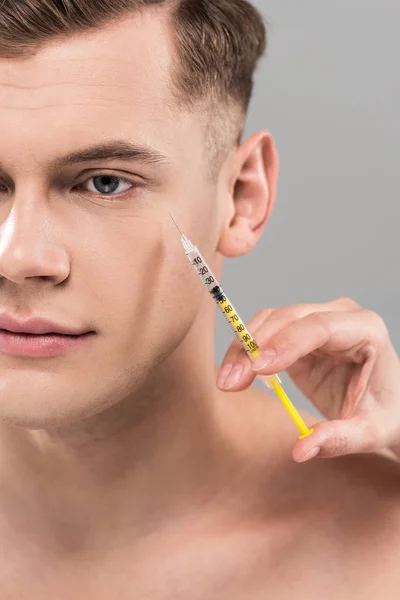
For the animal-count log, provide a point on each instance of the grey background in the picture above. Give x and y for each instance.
(329, 92)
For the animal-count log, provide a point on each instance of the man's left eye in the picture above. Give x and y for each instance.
(107, 185)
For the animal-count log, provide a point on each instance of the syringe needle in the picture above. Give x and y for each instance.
(187, 244)
(176, 224)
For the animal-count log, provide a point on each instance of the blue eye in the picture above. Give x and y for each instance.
(107, 185)
(3, 188)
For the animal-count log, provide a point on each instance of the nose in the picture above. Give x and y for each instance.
(27, 249)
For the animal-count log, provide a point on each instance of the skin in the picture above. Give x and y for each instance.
(124, 468)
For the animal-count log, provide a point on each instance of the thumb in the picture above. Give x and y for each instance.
(336, 438)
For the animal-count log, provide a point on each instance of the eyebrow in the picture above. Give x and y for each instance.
(113, 150)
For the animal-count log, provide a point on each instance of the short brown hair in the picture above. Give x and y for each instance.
(218, 42)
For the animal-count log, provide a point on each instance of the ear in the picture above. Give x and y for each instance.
(252, 191)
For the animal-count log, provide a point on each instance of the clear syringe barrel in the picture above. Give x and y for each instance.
(231, 315)
(248, 343)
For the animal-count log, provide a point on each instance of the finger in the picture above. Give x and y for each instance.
(282, 318)
(353, 337)
(338, 438)
(237, 357)
(235, 372)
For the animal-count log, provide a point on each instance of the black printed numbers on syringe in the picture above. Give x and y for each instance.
(230, 314)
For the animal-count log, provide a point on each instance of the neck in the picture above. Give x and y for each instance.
(155, 455)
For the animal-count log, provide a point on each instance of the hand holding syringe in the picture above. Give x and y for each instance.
(238, 327)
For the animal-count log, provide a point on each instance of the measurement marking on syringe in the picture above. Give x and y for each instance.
(241, 332)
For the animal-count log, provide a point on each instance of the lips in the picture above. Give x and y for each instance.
(38, 326)
(24, 334)
(45, 346)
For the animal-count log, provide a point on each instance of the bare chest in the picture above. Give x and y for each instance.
(229, 566)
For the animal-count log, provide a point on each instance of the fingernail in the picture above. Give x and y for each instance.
(265, 359)
(223, 374)
(233, 377)
(312, 454)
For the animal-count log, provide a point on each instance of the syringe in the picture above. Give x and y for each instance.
(248, 343)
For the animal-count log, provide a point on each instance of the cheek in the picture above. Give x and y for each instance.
(150, 295)
(162, 308)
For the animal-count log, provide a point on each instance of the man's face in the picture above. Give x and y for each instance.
(89, 244)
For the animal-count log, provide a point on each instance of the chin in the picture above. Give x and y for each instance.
(33, 400)
(35, 413)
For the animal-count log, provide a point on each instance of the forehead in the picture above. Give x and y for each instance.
(109, 81)
(130, 56)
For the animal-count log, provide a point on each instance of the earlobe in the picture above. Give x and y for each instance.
(253, 196)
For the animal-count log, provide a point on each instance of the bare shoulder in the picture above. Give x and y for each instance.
(356, 495)
(337, 521)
